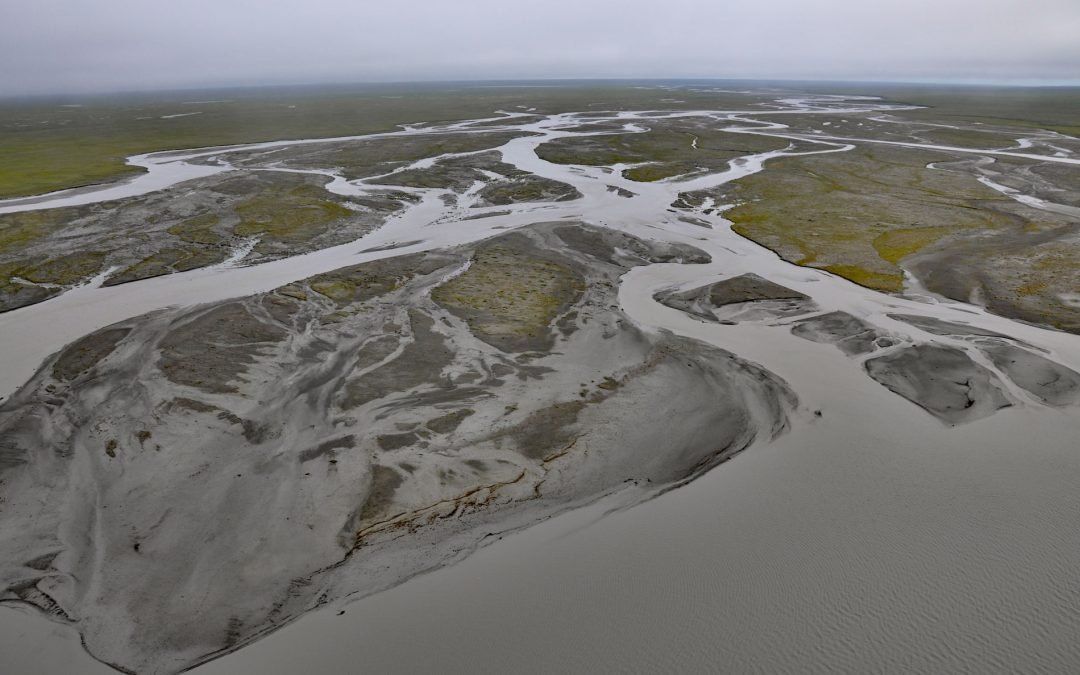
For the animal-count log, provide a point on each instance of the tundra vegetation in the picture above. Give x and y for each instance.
(875, 214)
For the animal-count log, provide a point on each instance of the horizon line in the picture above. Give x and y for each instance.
(967, 83)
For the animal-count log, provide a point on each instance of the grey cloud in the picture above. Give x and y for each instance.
(79, 45)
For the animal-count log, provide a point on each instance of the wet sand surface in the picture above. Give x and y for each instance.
(824, 552)
(334, 437)
(872, 536)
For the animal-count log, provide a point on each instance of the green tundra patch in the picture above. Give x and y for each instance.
(509, 295)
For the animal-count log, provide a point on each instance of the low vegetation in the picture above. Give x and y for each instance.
(50, 145)
(670, 148)
(859, 214)
(509, 295)
(296, 215)
(528, 189)
(371, 157)
(167, 261)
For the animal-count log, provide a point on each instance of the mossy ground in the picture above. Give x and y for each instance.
(509, 295)
(63, 270)
(667, 150)
(1038, 283)
(297, 214)
(19, 230)
(45, 146)
(163, 233)
(860, 220)
(361, 282)
(455, 173)
(167, 261)
(347, 289)
(859, 213)
(46, 276)
(528, 189)
(198, 230)
(372, 157)
(1054, 108)
(968, 138)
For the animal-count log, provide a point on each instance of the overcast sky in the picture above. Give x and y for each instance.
(75, 46)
